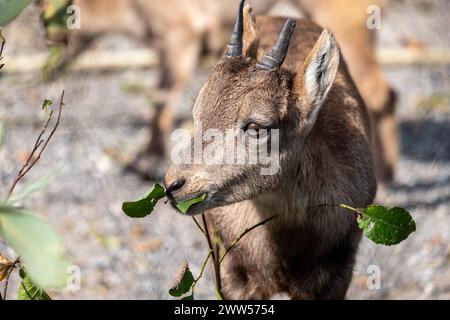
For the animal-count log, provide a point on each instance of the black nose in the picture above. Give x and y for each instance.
(177, 184)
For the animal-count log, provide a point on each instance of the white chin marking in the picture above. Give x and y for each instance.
(280, 296)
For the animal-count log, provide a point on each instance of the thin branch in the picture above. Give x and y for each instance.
(358, 211)
(203, 266)
(214, 257)
(201, 271)
(199, 226)
(5, 290)
(235, 242)
(37, 144)
(1, 48)
(39, 147)
(323, 205)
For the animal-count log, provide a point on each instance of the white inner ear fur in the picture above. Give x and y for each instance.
(321, 72)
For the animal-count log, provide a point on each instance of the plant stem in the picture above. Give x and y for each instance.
(30, 162)
(203, 266)
(218, 294)
(214, 257)
(359, 212)
(201, 271)
(5, 291)
(246, 231)
(349, 208)
(1, 48)
(199, 226)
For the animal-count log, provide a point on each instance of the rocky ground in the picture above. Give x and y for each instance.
(120, 258)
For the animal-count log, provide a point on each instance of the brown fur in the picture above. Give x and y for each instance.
(308, 250)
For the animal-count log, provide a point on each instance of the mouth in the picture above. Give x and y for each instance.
(191, 204)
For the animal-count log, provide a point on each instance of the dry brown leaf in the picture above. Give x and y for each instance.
(5, 265)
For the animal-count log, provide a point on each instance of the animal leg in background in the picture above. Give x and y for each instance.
(347, 19)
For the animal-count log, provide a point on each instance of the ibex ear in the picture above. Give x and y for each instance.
(251, 38)
(315, 77)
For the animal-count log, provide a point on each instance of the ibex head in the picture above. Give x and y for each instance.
(251, 93)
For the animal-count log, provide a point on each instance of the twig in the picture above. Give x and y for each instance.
(201, 271)
(30, 163)
(358, 211)
(5, 290)
(1, 48)
(214, 257)
(323, 205)
(243, 234)
(199, 226)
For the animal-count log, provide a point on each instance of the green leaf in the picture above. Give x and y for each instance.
(144, 206)
(183, 282)
(28, 290)
(185, 205)
(9, 9)
(386, 226)
(40, 250)
(47, 103)
(27, 190)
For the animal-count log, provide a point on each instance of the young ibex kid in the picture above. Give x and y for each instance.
(301, 87)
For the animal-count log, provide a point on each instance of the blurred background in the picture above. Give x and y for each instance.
(111, 90)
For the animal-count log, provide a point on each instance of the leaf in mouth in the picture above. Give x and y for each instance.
(144, 206)
(184, 206)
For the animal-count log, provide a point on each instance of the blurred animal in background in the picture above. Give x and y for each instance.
(181, 31)
(347, 19)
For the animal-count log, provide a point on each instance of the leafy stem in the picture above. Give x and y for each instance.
(359, 212)
(11, 268)
(31, 160)
(2, 45)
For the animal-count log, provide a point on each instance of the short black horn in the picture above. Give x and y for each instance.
(235, 44)
(275, 57)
